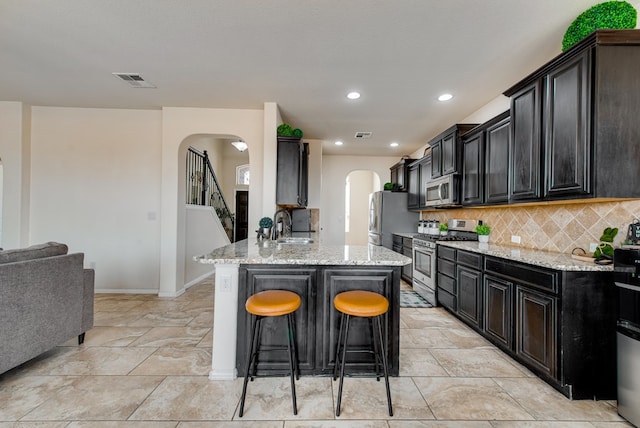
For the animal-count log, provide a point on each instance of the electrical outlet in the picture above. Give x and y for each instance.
(225, 286)
(592, 247)
(515, 239)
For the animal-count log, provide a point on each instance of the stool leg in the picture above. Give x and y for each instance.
(384, 364)
(254, 371)
(291, 366)
(375, 348)
(293, 335)
(337, 358)
(250, 356)
(344, 357)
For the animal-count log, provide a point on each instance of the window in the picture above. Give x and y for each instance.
(242, 175)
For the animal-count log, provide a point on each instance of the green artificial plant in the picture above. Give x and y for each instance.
(607, 15)
(284, 130)
(483, 229)
(265, 222)
(605, 247)
(443, 227)
(388, 186)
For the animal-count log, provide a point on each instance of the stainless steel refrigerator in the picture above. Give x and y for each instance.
(388, 214)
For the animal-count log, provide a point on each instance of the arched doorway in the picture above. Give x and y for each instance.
(358, 185)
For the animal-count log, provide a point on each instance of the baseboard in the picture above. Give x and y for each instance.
(125, 291)
(199, 279)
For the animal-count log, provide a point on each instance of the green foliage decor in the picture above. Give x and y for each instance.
(284, 130)
(483, 229)
(607, 15)
(605, 247)
(443, 227)
(388, 186)
(266, 222)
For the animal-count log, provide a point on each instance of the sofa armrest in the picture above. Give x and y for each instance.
(88, 298)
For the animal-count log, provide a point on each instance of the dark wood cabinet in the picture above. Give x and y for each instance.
(336, 280)
(473, 169)
(567, 142)
(485, 165)
(425, 165)
(399, 175)
(446, 150)
(498, 310)
(536, 329)
(292, 173)
(317, 321)
(526, 145)
(575, 122)
(300, 280)
(469, 294)
(404, 245)
(559, 324)
(496, 168)
(413, 186)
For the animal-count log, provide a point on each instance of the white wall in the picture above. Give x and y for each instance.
(334, 174)
(361, 184)
(95, 186)
(15, 147)
(204, 233)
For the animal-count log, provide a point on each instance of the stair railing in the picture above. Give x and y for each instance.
(203, 189)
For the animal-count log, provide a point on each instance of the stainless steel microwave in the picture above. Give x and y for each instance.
(443, 192)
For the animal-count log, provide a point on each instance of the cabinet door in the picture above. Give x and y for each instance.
(436, 159)
(336, 280)
(497, 310)
(394, 175)
(496, 168)
(469, 294)
(525, 144)
(292, 170)
(450, 154)
(536, 329)
(413, 187)
(407, 270)
(567, 137)
(426, 168)
(473, 169)
(301, 281)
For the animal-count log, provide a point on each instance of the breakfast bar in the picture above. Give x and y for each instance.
(317, 272)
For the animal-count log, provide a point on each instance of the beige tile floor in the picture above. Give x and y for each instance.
(146, 361)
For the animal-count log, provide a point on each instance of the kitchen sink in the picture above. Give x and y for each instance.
(294, 240)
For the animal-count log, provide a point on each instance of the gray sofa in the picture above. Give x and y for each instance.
(46, 298)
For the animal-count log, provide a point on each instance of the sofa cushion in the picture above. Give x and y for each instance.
(39, 251)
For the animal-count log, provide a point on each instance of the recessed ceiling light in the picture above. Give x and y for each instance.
(353, 95)
(445, 97)
(338, 143)
(394, 144)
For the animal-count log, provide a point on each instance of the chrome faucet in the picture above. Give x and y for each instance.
(281, 218)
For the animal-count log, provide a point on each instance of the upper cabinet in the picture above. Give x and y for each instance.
(446, 151)
(574, 123)
(292, 173)
(485, 164)
(399, 175)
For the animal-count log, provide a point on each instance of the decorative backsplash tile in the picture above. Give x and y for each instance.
(558, 228)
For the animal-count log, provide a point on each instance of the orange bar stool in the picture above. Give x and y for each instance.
(365, 304)
(272, 303)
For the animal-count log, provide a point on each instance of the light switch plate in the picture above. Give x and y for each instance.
(515, 239)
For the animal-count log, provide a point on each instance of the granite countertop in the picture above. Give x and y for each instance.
(406, 234)
(558, 261)
(252, 251)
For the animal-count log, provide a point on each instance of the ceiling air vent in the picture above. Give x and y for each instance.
(363, 135)
(135, 80)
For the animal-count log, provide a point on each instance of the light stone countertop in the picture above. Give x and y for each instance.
(252, 251)
(558, 261)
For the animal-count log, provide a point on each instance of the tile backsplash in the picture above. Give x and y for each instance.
(557, 228)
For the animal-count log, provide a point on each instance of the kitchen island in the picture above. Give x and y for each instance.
(315, 271)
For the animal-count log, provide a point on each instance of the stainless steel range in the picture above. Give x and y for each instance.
(424, 255)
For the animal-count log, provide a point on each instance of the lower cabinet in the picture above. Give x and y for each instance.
(317, 321)
(536, 329)
(559, 324)
(498, 310)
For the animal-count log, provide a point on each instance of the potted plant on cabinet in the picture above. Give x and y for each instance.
(444, 229)
(483, 232)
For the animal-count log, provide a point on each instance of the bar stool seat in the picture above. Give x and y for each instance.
(365, 304)
(272, 303)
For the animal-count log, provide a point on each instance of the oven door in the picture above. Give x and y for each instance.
(423, 265)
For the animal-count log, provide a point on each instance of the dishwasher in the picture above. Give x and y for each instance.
(626, 266)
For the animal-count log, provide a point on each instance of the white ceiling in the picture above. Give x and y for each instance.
(304, 55)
